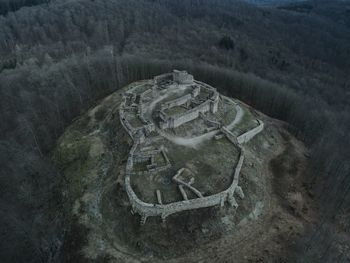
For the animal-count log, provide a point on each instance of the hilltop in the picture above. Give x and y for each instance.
(93, 153)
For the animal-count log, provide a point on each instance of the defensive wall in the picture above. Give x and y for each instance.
(177, 102)
(182, 77)
(209, 122)
(153, 167)
(158, 79)
(181, 100)
(163, 210)
(138, 136)
(191, 114)
(174, 121)
(246, 137)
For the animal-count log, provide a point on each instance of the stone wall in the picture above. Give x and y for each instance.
(214, 103)
(246, 137)
(164, 210)
(179, 119)
(163, 77)
(177, 102)
(191, 114)
(124, 122)
(182, 77)
(195, 91)
(205, 85)
(209, 122)
(152, 168)
(229, 135)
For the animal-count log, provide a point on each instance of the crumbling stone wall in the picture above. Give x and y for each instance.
(209, 122)
(138, 136)
(177, 102)
(229, 135)
(191, 114)
(164, 210)
(182, 77)
(143, 156)
(179, 119)
(164, 77)
(246, 137)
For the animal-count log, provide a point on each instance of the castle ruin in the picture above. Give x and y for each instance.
(162, 117)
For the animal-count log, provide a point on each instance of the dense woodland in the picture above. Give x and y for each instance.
(59, 58)
(7, 6)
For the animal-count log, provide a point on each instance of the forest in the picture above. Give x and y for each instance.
(59, 58)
